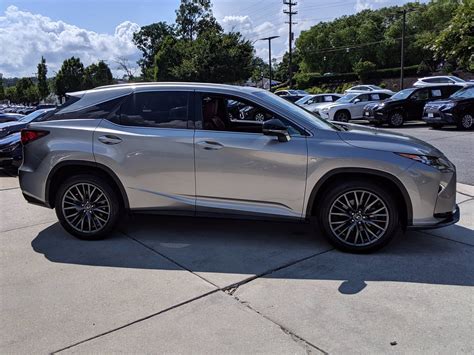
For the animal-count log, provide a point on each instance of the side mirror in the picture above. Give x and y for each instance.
(356, 101)
(275, 127)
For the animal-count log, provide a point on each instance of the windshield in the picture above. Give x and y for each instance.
(459, 80)
(402, 94)
(303, 100)
(347, 98)
(295, 110)
(32, 116)
(467, 93)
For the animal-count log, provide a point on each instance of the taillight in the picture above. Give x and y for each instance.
(30, 135)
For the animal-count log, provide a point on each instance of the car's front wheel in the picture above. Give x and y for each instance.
(396, 119)
(466, 122)
(342, 116)
(358, 216)
(87, 207)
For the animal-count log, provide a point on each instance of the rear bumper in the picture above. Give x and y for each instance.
(447, 219)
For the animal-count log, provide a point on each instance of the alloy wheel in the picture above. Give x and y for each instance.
(86, 207)
(358, 218)
(396, 119)
(259, 117)
(467, 121)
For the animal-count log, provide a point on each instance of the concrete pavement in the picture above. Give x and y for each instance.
(175, 285)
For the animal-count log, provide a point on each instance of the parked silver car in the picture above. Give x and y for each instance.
(171, 148)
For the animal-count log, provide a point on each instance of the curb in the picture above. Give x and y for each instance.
(465, 189)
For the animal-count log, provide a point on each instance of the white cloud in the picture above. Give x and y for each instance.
(25, 37)
(367, 4)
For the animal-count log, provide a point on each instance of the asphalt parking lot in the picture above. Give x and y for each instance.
(180, 285)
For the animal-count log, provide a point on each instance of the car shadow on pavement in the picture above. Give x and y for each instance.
(227, 252)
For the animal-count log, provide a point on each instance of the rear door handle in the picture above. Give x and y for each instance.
(110, 139)
(210, 145)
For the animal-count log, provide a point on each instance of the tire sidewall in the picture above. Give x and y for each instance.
(115, 207)
(335, 191)
(342, 112)
(393, 114)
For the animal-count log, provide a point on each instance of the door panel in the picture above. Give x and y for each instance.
(249, 173)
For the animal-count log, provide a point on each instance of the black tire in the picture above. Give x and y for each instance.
(396, 119)
(466, 122)
(342, 116)
(111, 205)
(436, 125)
(371, 189)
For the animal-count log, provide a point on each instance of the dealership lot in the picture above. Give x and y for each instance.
(169, 284)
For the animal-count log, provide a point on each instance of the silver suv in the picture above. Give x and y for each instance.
(203, 149)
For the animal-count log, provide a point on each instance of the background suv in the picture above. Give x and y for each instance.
(350, 106)
(172, 148)
(438, 80)
(406, 105)
(458, 110)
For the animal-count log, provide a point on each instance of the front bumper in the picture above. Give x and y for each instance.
(448, 219)
(435, 116)
(375, 116)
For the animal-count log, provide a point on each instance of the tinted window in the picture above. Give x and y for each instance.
(162, 109)
(97, 111)
(328, 98)
(233, 114)
(436, 93)
(364, 97)
(375, 97)
(420, 95)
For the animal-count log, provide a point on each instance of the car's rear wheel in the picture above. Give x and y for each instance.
(87, 207)
(342, 116)
(466, 122)
(396, 119)
(358, 216)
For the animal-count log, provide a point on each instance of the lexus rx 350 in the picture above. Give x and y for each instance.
(173, 148)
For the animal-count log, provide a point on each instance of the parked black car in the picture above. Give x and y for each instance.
(10, 117)
(10, 147)
(407, 105)
(458, 110)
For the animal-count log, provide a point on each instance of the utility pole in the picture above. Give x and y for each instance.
(402, 55)
(269, 39)
(290, 14)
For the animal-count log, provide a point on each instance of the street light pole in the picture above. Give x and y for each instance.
(269, 39)
(402, 55)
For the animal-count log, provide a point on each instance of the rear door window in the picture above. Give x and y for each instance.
(375, 97)
(160, 109)
(436, 93)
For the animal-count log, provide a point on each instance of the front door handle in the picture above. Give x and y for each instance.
(110, 139)
(210, 145)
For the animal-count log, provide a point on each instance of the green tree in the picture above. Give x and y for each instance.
(97, 75)
(24, 91)
(70, 77)
(363, 69)
(2, 89)
(43, 89)
(195, 17)
(149, 40)
(11, 95)
(455, 43)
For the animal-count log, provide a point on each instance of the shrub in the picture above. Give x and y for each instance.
(363, 69)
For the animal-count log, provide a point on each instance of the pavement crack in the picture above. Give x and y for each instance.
(309, 347)
(136, 321)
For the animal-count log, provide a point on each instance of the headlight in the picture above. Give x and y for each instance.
(381, 105)
(448, 106)
(439, 163)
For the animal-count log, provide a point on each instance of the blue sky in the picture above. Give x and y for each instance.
(102, 29)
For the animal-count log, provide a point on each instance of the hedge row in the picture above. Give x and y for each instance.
(306, 80)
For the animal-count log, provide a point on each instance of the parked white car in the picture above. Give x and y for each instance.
(443, 79)
(310, 101)
(350, 106)
(368, 88)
